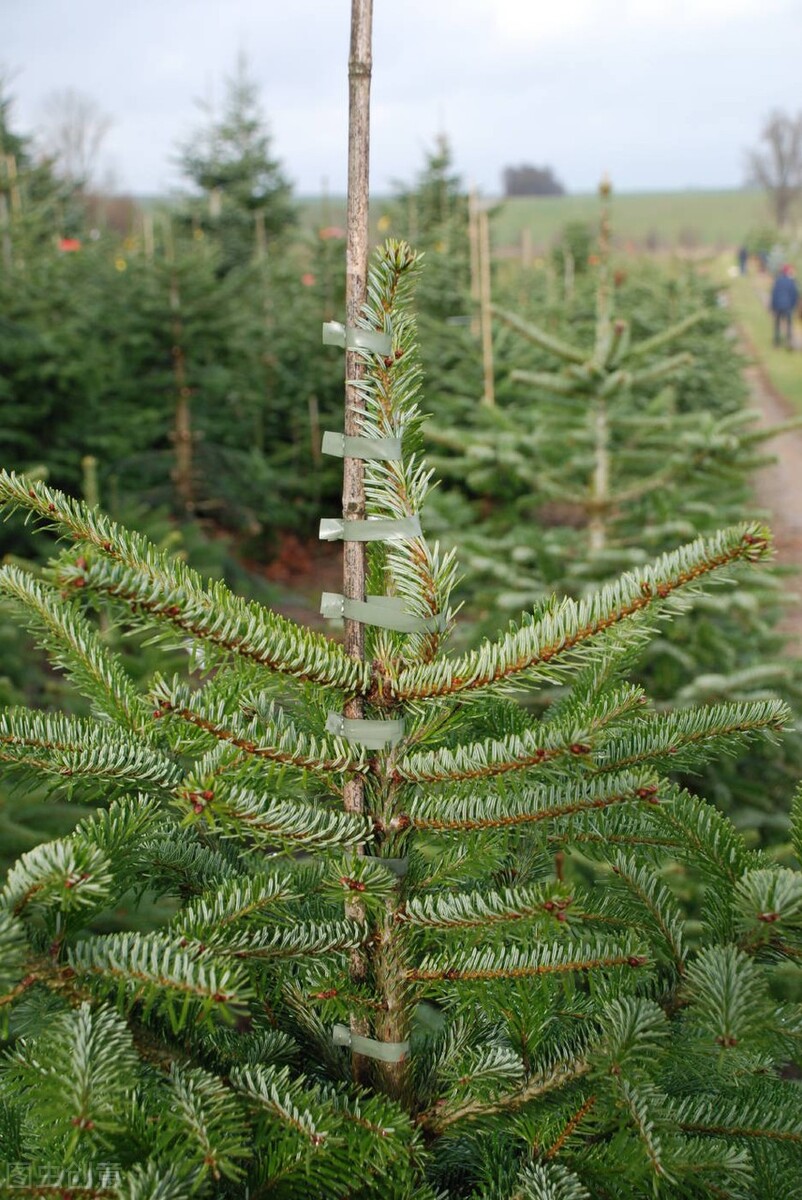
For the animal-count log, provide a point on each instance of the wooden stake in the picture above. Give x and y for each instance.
(526, 248)
(356, 270)
(147, 235)
(314, 428)
(568, 274)
(261, 235)
(11, 171)
(182, 428)
(5, 231)
(473, 244)
(600, 485)
(489, 397)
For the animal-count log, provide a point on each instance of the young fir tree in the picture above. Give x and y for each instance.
(543, 1018)
(246, 197)
(432, 212)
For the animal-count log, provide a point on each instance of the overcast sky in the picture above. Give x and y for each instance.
(660, 93)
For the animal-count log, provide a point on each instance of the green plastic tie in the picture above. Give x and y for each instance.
(389, 1052)
(373, 735)
(385, 612)
(350, 337)
(375, 529)
(377, 449)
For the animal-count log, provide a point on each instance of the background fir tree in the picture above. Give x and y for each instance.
(503, 920)
(246, 197)
(432, 213)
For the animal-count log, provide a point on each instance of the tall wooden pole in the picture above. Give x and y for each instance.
(600, 484)
(473, 244)
(356, 270)
(5, 233)
(182, 427)
(526, 247)
(489, 397)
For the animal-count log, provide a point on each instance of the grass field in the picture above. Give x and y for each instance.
(659, 220)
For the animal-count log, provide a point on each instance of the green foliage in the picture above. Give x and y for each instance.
(620, 427)
(510, 897)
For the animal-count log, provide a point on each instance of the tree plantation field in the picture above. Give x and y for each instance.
(480, 881)
(687, 219)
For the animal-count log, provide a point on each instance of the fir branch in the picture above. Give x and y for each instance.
(297, 941)
(540, 337)
(268, 733)
(769, 905)
(76, 647)
(498, 811)
(206, 1126)
(549, 1181)
(154, 1181)
(656, 371)
(556, 958)
(77, 1076)
(649, 345)
(542, 747)
(267, 822)
(56, 744)
(570, 1127)
(238, 899)
(13, 951)
(698, 833)
(272, 1091)
(63, 874)
(154, 970)
(560, 385)
(128, 568)
(741, 1117)
(640, 1102)
(529, 652)
(122, 830)
(437, 1120)
(662, 738)
(727, 995)
(654, 903)
(464, 910)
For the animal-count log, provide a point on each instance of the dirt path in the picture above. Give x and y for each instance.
(778, 489)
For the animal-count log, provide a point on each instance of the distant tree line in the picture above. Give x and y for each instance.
(527, 180)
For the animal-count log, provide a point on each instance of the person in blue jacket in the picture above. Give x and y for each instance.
(784, 299)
